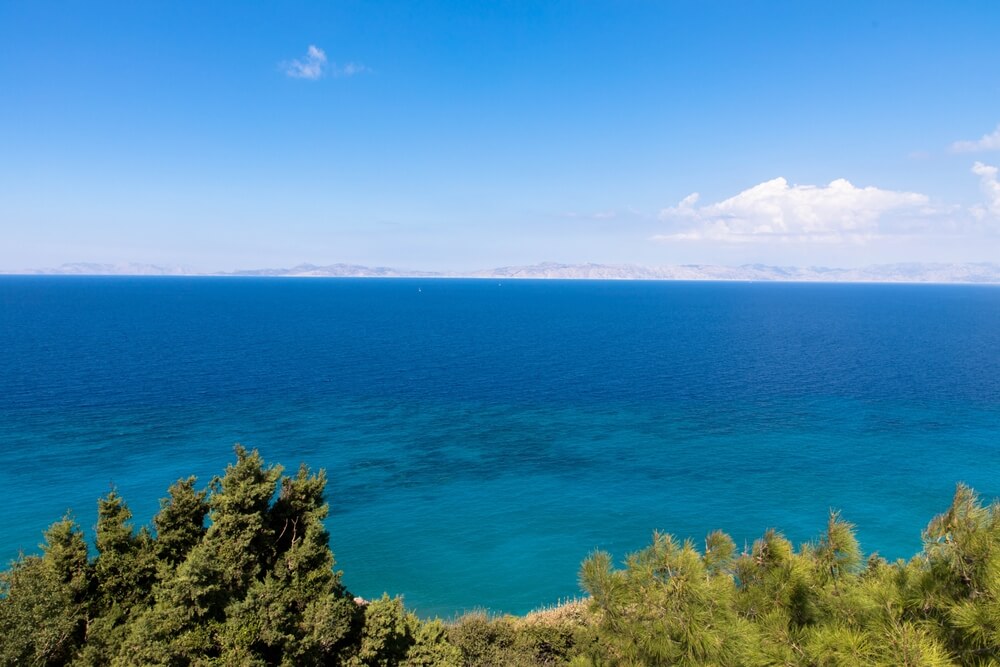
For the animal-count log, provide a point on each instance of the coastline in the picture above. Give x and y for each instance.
(983, 273)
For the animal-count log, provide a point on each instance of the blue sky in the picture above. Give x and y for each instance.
(467, 135)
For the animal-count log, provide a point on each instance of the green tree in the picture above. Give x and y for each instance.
(124, 573)
(298, 612)
(392, 636)
(958, 587)
(125, 567)
(258, 587)
(670, 605)
(43, 600)
(180, 523)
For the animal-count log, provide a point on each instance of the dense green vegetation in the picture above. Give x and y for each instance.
(242, 574)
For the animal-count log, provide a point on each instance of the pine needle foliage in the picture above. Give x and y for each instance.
(255, 586)
(241, 573)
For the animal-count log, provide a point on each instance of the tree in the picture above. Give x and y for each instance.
(180, 523)
(124, 573)
(258, 586)
(43, 601)
(670, 605)
(298, 611)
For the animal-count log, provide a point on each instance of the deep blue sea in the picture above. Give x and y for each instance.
(482, 437)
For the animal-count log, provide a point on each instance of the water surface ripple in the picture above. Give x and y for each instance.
(482, 437)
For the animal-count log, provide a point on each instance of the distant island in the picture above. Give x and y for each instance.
(967, 273)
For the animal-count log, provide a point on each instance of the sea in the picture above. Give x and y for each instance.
(482, 437)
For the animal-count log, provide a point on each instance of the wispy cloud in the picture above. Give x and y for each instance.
(623, 214)
(988, 142)
(350, 69)
(990, 186)
(315, 65)
(311, 67)
(777, 211)
(595, 215)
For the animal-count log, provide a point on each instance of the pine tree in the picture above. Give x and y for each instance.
(241, 540)
(393, 636)
(258, 587)
(670, 605)
(125, 567)
(180, 523)
(43, 600)
(298, 612)
(959, 586)
(124, 573)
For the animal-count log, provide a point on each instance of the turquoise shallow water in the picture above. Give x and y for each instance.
(482, 438)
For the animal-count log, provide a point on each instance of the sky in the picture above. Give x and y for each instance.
(464, 135)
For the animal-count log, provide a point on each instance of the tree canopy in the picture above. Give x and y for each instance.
(241, 573)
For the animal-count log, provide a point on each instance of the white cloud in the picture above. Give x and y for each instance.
(350, 69)
(315, 66)
(311, 67)
(988, 142)
(990, 186)
(776, 211)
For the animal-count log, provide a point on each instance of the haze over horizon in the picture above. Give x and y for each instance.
(445, 136)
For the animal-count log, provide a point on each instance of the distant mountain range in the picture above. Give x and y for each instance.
(985, 273)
